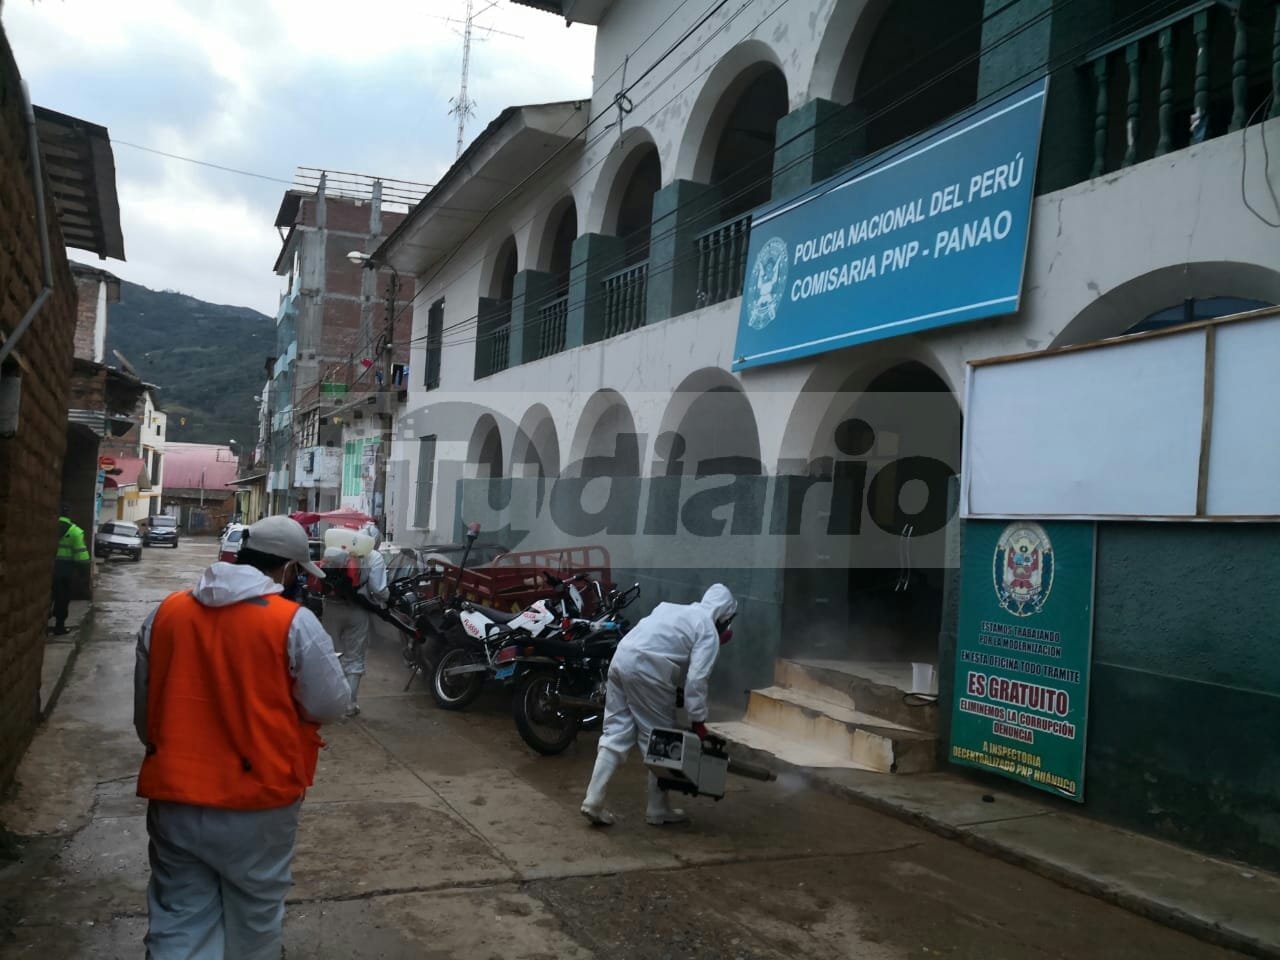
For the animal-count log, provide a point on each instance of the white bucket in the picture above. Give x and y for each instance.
(924, 679)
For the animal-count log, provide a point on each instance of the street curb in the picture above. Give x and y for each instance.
(1163, 913)
(65, 674)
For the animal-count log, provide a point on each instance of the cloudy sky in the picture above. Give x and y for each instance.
(266, 86)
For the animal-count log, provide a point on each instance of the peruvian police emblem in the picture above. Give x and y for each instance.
(766, 283)
(1023, 569)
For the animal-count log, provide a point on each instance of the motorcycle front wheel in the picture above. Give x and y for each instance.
(457, 692)
(541, 725)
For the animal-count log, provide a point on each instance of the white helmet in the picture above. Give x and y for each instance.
(371, 530)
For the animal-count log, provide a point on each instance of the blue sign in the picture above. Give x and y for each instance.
(933, 233)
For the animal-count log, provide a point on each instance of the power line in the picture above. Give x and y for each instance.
(1064, 60)
(202, 163)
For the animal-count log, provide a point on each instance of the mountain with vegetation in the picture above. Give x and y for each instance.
(206, 358)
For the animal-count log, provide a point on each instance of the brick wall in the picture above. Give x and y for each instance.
(31, 461)
(86, 315)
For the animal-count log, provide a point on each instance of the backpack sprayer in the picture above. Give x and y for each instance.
(687, 764)
(344, 555)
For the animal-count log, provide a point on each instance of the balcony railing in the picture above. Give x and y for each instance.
(500, 349)
(553, 322)
(624, 299)
(722, 260)
(493, 344)
(1203, 71)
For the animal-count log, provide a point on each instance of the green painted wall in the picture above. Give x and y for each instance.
(1184, 713)
(1184, 726)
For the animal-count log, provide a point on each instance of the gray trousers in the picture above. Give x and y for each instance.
(218, 881)
(348, 626)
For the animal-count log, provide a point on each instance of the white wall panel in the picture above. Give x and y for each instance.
(1244, 453)
(1112, 431)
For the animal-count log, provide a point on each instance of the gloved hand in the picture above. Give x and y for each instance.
(700, 729)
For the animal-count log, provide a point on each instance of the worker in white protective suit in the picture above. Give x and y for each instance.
(349, 619)
(675, 645)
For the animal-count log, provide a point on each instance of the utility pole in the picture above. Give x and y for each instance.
(385, 402)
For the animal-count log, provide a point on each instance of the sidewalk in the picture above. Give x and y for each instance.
(60, 653)
(1223, 903)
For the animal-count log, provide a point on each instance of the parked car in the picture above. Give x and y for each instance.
(161, 530)
(118, 537)
(229, 545)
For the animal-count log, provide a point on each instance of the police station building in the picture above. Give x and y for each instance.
(730, 315)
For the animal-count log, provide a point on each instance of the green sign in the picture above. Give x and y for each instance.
(1023, 652)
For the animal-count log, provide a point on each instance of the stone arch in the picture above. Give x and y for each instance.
(709, 427)
(605, 442)
(1124, 306)
(842, 48)
(918, 67)
(500, 269)
(720, 93)
(632, 170)
(868, 550)
(535, 451)
(484, 451)
(552, 237)
(844, 372)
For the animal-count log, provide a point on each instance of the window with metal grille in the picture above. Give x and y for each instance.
(426, 480)
(435, 338)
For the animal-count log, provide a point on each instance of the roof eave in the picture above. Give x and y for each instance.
(80, 169)
(535, 124)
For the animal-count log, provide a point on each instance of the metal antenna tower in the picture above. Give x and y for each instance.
(463, 107)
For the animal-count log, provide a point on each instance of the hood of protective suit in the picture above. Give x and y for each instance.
(719, 602)
(226, 583)
(371, 529)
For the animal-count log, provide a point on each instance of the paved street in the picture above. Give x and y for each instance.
(440, 835)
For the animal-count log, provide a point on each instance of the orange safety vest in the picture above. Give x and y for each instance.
(223, 729)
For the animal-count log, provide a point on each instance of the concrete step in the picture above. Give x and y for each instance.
(873, 687)
(777, 751)
(861, 738)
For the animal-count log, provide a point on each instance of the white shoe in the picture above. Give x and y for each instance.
(607, 763)
(352, 711)
(658, 811)
(598, 815)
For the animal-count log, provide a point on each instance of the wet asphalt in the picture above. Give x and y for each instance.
(441, 835)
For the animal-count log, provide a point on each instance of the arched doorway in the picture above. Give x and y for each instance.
(484, 451)
(605, 443)
(709, 428)
(868, 563)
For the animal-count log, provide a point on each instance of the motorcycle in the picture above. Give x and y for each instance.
(562, 679)
(461, 671)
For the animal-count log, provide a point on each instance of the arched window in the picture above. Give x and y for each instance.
(920, 67)
(566, 231)
(635, 209)
(1196, 309)
(743, 165)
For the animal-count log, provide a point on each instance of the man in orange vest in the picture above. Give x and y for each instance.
(231, 685)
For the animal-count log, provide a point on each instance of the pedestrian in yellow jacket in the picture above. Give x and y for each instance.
(69, 565)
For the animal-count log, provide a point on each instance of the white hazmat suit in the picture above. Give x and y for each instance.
(350, 623)
(675, 645)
